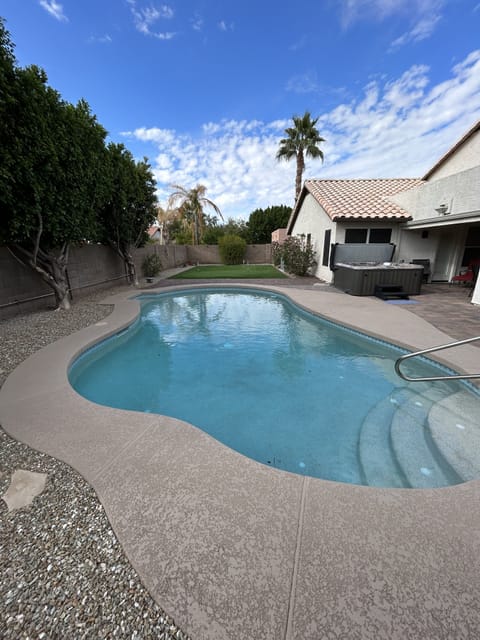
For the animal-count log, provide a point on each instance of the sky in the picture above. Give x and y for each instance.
(205, 88)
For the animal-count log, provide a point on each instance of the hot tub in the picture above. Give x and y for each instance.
(360, 279)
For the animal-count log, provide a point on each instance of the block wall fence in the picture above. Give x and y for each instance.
(93, 267)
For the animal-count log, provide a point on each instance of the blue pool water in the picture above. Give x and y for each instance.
(273, 382)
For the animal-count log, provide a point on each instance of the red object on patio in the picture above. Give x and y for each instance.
(469, 275)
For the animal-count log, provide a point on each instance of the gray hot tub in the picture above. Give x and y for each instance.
(360, 279)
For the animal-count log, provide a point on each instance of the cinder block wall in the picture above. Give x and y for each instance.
(178, 255)
(259, 254)
(17, 283)
(171, 255)
(95, 266)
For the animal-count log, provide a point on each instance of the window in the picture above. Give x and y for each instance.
(380, 235)
(355, 235)
(326, 247)
(373, 235)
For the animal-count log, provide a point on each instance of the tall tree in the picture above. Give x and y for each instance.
(262, 222)
(191, 204)
(49, 171)
(302, 141)
(130, 205)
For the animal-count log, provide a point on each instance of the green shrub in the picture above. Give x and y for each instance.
(297, 258)
(232, 249)
(151, 265)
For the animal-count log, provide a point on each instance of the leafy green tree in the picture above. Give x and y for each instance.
(177, 232)
(191, 204)
(130, 206)
(213, 231)
(302, 140)
(50, 178)
(262, 222)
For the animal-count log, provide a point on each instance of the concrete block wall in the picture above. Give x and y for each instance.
(259, 254)
(17, 283)
(89, 267)
(171, 255)
(93, 267)
(178, 255)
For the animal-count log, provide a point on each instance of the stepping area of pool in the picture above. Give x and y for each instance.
(233, 549)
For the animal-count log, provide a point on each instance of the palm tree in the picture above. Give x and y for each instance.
(191, 203)
(303, 140)
(164, 218)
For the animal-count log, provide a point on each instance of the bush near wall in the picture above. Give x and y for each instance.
(232, 249)
(297, 258)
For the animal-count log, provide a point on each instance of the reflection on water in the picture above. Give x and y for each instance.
(275, 383)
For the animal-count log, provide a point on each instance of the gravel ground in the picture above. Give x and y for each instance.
(63, 572)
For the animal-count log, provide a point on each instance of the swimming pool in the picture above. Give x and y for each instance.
(285, 388)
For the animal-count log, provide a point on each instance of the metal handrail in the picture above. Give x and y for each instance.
(431, 350)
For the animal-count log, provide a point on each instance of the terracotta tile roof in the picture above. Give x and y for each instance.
(152, 230)
(360, 199)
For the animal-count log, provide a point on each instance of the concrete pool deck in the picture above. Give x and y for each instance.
(233, 549)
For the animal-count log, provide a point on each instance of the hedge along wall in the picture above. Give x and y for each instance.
(92, 267)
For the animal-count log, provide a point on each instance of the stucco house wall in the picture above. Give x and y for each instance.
(460, 192)
(314, 221)
(464, 155)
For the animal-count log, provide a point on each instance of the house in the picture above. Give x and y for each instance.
(435, 217)
(155, 233)
(328, 212)
(445, 209)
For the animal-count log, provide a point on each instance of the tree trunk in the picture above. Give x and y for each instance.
(131, 270)
(126, 256)
(52, 270)
(197, 230)
(298, 178)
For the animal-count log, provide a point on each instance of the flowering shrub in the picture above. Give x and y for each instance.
(297, 257)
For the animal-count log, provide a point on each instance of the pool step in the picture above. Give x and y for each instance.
(413, 447)
(456, 433)
(377, 462)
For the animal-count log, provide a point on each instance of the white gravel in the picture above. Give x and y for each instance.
(63, 573)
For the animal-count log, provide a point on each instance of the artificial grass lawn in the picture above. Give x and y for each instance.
(230, 271)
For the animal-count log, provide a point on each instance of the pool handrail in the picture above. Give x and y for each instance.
(457, 343)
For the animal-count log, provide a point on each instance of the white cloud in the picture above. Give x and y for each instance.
(55, 9)
(105, 39)
(147, 16)
(420, 31)
(299, 44)
(398, 127)
(422, 16)
(197, 22)
(225, 26)
(303, 83)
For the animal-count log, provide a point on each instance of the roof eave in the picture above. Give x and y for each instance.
(400, 218)
(296, 209)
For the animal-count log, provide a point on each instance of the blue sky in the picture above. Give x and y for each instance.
(205, 88)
